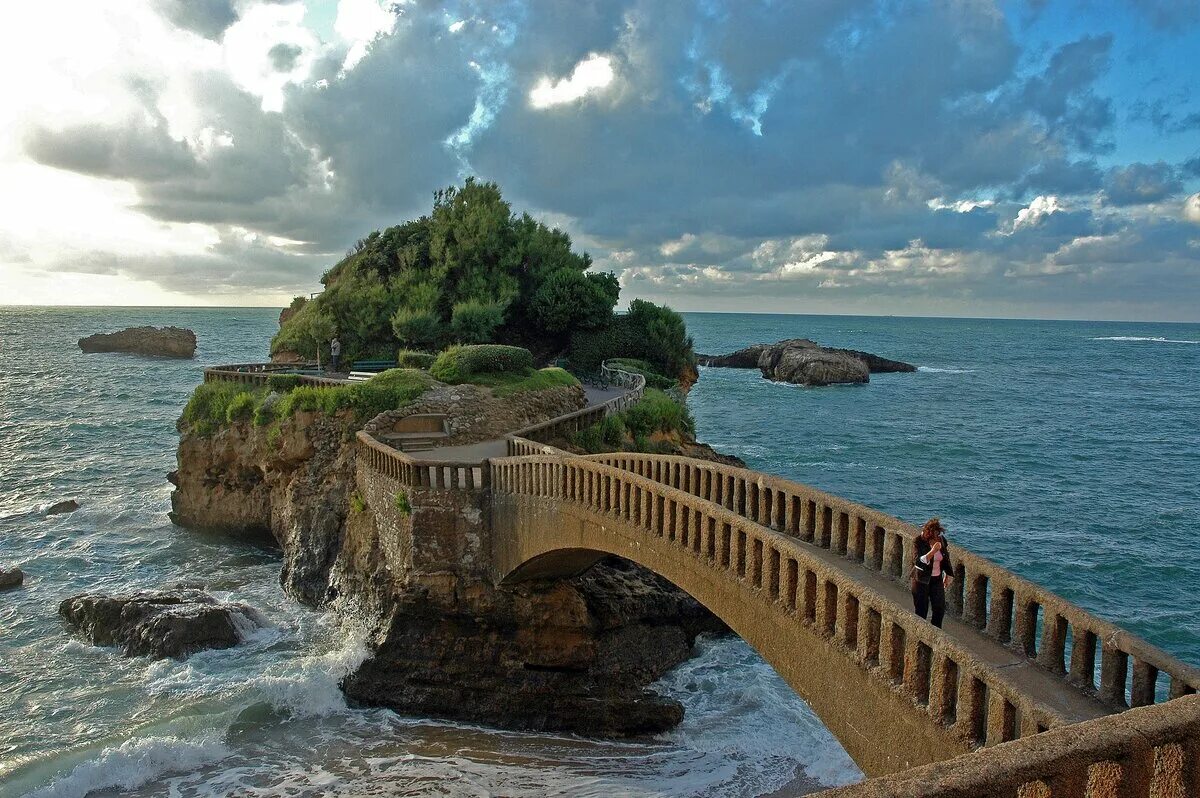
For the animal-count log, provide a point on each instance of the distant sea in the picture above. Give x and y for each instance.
(1067, 451)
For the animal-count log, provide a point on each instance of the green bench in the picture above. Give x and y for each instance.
(373, 365)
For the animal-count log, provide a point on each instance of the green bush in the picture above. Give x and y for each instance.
(241, 408)
(459, 363)
(570, 299)
(652, 333)
(475, 321)
(208, 408)
(387, 390)
(357, 503)
(411, 359)
(657, 412)
(282, 383)
(417, 327)
(402, 504)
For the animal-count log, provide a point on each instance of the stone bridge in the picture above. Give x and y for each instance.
(1021, 694)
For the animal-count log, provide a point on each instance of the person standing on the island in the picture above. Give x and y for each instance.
(932, 571)
(335, 353)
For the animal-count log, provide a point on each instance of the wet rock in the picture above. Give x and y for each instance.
(805, 362)
(11, 577)
(816, 367)
(159, 623)
(160, 341)
(58, 508)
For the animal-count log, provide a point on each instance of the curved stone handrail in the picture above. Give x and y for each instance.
(411, 472)
(564, 425)
(1149, 752)
(995, 601)
(965, 702)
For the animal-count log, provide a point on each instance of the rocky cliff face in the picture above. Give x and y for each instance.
(573, 655)
(160, 341)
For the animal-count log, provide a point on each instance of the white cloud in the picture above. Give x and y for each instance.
(1191, 208)
(247, 49)
(591, 74)
(360, 22)
(1039, 209)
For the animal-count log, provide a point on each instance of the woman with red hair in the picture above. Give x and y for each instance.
(932, 571)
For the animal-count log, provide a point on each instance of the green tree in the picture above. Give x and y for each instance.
(569, 299)
(475, 322)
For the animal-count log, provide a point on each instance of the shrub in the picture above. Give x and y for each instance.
(417, 327)
(474, 321)
(402, 504)
(357, 503)
(651, 333)
(570, 299)
(208, 408)
(657, 412)
(241, 408)
(282, 383)
(459, 363)
(412, 359)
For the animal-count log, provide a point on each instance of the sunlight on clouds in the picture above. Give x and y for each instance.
(360, 22)
(1040, 208)
(1191, 208)
(248, 44)
(39, 287)
(593, 73)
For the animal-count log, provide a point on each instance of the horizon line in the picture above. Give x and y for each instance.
(704, 312)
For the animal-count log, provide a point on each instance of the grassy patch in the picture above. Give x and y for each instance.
(216, 404)
(510, 383)
(632, 429)
(401, 502)
(357, 503)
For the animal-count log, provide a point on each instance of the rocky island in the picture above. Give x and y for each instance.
(404, 539)
(805, 362)
(156, 341)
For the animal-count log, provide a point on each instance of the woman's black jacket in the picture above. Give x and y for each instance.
(922, 571)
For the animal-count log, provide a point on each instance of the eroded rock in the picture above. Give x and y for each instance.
(816, 367)
(11, 577)
(805, 362)
(58, 508)
(159, 623)
(158, 341)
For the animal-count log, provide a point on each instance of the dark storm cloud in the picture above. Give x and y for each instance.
(283, 56)
(209, 18)
(1141, 183)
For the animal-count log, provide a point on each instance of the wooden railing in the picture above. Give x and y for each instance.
(1150, 752)
(1035, 622)
(956, 689)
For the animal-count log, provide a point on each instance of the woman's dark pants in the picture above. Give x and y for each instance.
(931, 595)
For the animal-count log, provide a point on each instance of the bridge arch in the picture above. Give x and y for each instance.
(893, 690)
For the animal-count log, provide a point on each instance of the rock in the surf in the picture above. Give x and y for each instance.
(159, 341)
(58, 508)
(159, 623)
(11, 577)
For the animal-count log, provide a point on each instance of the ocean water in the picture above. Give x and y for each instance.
(1066, 451)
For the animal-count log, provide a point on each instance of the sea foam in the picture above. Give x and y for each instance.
(1150, 339)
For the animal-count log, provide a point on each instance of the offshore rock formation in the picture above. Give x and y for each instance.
(66, 506)
(160, 341)
(805, 362)
(158, 624)
(11, 577)
(570, 655)
(812, 366)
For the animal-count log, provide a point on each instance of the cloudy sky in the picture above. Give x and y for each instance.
(1034, 158)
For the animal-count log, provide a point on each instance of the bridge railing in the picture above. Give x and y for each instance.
(953, 686)
(261, 373)
(413, 473)
(1035, 622)
(1149, 752)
